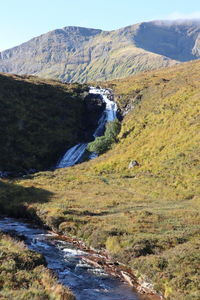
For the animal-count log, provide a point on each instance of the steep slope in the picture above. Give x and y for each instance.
(39, 120)
(146, 216)
(49, 53)
(176, 40)
(81, 54)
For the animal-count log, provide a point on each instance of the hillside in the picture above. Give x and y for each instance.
(82, 54)
(39, 120)
(146, 216)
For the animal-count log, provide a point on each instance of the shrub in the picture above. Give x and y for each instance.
(100, 145)
(104, 143)
(112, 130)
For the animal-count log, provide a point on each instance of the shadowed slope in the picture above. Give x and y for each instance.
(15, 198)
(39, 120)
(176, 40)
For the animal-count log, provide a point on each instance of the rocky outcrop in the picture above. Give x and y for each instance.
(94, 107)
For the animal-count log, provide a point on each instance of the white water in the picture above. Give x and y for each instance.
(74, 154)
(110, 112)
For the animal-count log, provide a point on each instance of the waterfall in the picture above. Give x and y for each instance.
(75, 154)
(72, 156)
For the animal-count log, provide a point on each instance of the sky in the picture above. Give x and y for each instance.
(21, 20)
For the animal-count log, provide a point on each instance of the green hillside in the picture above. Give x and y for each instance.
(146, 216)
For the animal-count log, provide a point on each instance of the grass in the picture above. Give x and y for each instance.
(147, 216)
(38, 120)
(23, 274)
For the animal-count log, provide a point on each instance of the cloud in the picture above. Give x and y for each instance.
(183, 16)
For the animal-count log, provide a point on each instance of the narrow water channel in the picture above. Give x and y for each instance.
(86, 281)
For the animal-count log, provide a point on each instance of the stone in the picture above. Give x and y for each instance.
(133, 164)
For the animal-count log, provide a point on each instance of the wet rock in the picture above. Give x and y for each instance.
(94, 107)
(128, 278)
(94, 103)
(3, 174)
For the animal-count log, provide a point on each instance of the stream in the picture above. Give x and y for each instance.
(86, 281)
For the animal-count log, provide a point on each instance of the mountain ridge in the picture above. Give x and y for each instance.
(81, 54)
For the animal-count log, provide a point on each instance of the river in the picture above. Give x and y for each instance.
(86, 281)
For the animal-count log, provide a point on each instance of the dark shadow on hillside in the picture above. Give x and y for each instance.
(39, 121)
(87, 213)
(14, 199)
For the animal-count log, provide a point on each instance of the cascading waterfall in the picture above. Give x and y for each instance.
(75, 154)
(72, 156)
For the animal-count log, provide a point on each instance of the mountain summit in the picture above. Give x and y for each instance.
(83, 54)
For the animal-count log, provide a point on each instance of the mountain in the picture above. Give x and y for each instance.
(146, 216)
(82, 54)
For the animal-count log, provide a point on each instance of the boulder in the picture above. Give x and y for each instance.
(133, 164)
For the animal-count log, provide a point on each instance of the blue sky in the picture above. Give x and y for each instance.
(20, 20)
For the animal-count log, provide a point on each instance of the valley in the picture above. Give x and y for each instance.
(145, 216)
